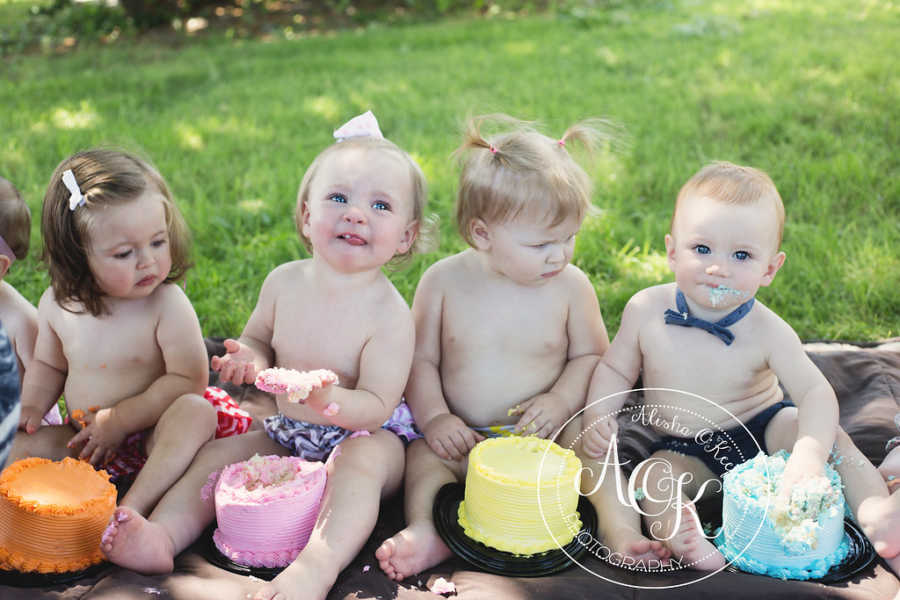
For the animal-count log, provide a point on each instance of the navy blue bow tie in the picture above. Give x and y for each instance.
(719, 328)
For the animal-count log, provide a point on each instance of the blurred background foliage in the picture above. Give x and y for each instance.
(59, 25)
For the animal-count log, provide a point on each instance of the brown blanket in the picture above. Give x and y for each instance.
(867, 383)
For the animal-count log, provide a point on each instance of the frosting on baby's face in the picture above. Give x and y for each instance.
(719, 295)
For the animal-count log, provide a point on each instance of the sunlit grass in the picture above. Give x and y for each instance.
(805, 90)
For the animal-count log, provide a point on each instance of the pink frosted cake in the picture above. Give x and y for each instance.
(266, 508)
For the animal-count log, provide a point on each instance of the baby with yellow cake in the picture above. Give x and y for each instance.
(705, 336)
(507, 331)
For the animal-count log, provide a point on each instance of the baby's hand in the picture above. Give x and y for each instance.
(598, 435)
(101, 438)
(799, 466)
(30, 419)
(450, 437)
(542, 415)
(237, 366)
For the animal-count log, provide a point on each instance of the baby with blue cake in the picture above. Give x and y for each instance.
(712, 356)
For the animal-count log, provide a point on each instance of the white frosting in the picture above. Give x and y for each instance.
(786, 541)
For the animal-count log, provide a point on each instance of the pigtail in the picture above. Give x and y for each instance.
(594, 135)
(474, 139)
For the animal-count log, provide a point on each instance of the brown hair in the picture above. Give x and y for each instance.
(733, 184)
(105, 177)
(15, 219)
(416, 176)
(523, 170)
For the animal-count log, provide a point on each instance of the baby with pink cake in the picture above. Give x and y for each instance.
(359, 207)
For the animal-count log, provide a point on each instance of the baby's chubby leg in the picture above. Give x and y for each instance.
(150, 545)
(366, 470)
(618, 524)
(181, 431)
(669, 515)
(418, 546)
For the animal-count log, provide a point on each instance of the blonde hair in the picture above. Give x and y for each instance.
(733, 184)
(372, 144)
(15, 219)
(522, 170)
(106, 177)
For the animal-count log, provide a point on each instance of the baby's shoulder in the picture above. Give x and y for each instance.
(652, 299)
(449, 271)
(769, 327)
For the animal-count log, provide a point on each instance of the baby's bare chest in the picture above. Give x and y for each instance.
(509, 327)
(322, 336)
(694, 360)
(111, 343)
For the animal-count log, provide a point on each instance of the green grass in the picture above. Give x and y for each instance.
(806, 90)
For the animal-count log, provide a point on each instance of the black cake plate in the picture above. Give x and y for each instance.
(445, 512)
(859, 558)
(29, 579)
(213, 555)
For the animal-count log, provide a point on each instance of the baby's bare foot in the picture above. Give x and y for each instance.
(133, 542)
(879, 518)
(690, 547)
(411, 551)
(630, 549)
(298, 581)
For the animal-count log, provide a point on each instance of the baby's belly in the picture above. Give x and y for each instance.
(485, 398)
(104, 388)
(685, 416)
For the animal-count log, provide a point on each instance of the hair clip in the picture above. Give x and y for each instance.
(561, 142)
(493, 149)
(77, 198)
(364, 125)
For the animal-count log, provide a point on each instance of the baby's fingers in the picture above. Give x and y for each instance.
(79, 438)
(438, 448)
(527, 422)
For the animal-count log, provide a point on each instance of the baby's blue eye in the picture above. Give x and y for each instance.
(158, 243)
(702, 249)
(379, 205)
(122, 255)
(338, 198)
(742, 255)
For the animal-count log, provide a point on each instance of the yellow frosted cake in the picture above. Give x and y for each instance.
(521, 495)
(52, 515)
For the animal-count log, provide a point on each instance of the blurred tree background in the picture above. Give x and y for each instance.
(58, 25)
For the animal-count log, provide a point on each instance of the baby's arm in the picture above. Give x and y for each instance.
(446, 434)
(817, 408)
(46, 374)
(252, 352)
(180, 341)
(588, 341)
(616, 372)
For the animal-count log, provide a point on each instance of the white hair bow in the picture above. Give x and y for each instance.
(364, 125)
(77, 198)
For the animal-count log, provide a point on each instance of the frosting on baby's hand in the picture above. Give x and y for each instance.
(296, 384)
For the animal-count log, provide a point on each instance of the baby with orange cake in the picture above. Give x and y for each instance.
(359, 207)
(507, 331)
(115, 332)
(711, 357)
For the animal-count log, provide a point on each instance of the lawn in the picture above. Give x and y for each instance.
(806, 90)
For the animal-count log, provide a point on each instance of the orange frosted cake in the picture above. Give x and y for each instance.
(52, 515)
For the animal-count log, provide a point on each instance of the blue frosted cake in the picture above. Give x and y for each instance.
(802, 540)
